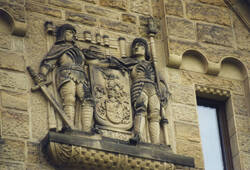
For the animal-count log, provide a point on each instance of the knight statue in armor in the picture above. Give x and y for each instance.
(68, 64)
(148, 98)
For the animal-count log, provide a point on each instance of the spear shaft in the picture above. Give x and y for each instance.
(152, 30)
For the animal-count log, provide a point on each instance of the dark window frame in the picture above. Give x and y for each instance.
(223, 129)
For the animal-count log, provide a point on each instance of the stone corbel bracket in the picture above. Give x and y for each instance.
(211, 92)
(18, 26)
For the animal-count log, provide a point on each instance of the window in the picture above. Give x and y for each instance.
(214, 135)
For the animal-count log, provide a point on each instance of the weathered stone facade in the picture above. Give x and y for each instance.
(203, 49)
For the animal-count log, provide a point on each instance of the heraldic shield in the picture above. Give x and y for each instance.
(111, 90)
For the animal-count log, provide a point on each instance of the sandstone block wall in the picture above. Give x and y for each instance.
(196, 37)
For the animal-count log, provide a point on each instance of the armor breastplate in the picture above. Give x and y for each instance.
(143, 71)
(72, 57)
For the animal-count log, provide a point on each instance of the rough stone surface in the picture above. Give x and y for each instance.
(43, 10)
(188, 132)
(157, 9)
(18, 12)
(11, 166)
(213, 53)
(174, 76)
(39, 167)
(39, 118)
(185, 113)
(190, 149)
(118, 4)
(129, 18)
(18, 45)
(12, 150)
(91, 1)
(101, 12)
(15, 124)
(143, 20)
(12, 61)
(245, 160)
(242, 34)
(13, 80)
(118, 26)
(211, 81)
(174, 7)
(181, 28)
(81, 18)
(244, 142)
(33, 152)
(240, 105)
(20, 2)
(14, 101)
(182, 94)
(5, 41)
(208, 13)
(215, 35)
(69, 4)
(35, 45)
(242, 124)
(37, 1)
(214, 2)
(140, 6)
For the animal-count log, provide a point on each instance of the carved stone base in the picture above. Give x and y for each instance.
(85, 151)
(114, 133)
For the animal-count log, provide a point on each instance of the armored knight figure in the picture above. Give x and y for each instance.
(147, 98)
(67, 62)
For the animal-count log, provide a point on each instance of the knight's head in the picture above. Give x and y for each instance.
(139, 48)
(65, 33)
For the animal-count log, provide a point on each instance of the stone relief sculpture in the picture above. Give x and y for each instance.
(86, 84)
(68, 70)
(113, 112)
(148, 98)
(121, 98)
(66, 66)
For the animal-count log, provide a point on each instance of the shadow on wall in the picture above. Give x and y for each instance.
(194, 61)
(232, 68)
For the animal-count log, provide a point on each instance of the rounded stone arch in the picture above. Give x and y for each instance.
(7, 19)
(233, 68)
(16, 27)
(194, 60)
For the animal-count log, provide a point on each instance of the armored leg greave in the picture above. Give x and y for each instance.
(154, 128)
(139, 126)
(67, 92)
(87, 116)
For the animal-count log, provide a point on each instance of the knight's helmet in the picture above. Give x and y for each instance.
(142, 42)
(60, 32)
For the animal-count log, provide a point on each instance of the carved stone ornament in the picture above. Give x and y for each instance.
(104, 111)
(211, 92)
(84, 152)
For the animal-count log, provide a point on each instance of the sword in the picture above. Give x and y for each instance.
(44, 89)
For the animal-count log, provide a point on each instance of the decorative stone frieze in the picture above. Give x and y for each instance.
(77, 149)
(205, 91)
